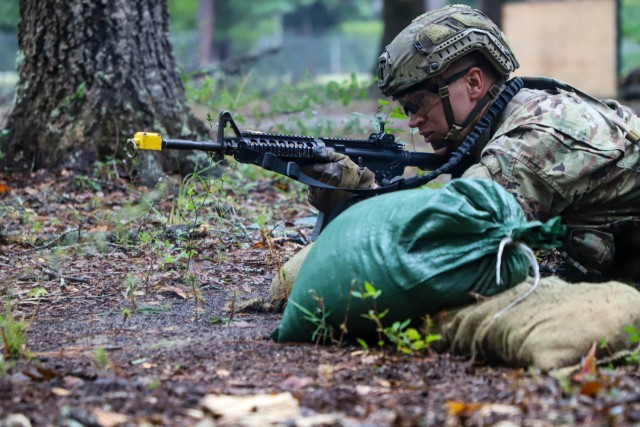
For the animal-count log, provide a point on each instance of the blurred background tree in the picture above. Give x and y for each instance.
(231, 33)
(9, 14)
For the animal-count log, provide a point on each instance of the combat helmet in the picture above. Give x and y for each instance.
(423, 51)
(433, 41)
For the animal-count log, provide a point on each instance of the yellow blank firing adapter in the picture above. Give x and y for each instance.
(148, 141)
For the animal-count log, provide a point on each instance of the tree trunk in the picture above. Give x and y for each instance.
(92, 72)
(206, 10)
(493, 9)
(396, 15)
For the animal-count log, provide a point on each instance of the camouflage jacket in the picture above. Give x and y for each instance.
(559, 153)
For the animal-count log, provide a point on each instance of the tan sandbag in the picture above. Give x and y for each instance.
(283, 282)
(552, 328)
(279, 291)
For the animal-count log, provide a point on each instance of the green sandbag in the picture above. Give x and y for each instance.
(422, 249)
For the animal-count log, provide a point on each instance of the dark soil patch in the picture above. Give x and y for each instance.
(86, 242)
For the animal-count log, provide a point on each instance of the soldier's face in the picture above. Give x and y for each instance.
(426, 113)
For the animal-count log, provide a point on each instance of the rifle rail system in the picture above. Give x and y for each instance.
(284, 154)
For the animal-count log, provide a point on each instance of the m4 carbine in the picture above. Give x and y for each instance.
(284, 154)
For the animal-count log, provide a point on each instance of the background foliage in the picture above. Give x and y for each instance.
(9, 15)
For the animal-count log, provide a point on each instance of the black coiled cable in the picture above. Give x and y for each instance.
(497, 107)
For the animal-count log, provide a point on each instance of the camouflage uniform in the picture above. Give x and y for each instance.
(556, 149)
(560, 154)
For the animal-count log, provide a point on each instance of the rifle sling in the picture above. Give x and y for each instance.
(512, 87)
(459, 159)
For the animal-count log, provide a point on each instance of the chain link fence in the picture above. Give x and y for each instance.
(294, 56)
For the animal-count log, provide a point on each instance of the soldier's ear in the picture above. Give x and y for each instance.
(476, 83)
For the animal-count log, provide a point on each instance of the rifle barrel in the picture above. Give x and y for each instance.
(184, 144)
(427, 161)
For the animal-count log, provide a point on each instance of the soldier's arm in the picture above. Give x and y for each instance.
(538, 194)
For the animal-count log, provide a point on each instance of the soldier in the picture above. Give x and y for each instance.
(556, 149)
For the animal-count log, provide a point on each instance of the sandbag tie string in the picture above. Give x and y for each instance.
(532, 262)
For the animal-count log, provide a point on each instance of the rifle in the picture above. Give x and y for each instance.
(285, 154)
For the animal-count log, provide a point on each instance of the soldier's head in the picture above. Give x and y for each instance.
(444, 68)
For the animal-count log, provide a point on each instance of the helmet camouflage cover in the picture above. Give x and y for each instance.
(433, 41)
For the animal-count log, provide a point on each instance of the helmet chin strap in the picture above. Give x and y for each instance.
(455, 128)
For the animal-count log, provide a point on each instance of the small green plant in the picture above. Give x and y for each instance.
(634, 338)
(154, 384)
(409, 340)
(101, 359)
(405, 338)
(193, 282)
(193, 196)
(3, 366)
(172, 254)
(83, 181)
(323, 332)
(13, 333)
(106, 170)
(273, 257)
(369, 292)
(125, 313)
(131, 291)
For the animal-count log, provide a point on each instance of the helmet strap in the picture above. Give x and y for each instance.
(455, 128)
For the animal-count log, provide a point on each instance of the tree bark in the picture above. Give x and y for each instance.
(92, 72)
(206, 16)
(493, 9)
(396, 15)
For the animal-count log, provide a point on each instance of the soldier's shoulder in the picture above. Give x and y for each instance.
(560, 112)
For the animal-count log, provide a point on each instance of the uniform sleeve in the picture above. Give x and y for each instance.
(529, 185)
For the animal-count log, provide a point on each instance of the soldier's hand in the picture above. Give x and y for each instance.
(340, 171)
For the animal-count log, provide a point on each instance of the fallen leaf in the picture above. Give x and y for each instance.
(492, 410)
(587, 366)
(241, 324)
(363, 390)
(41, 374)
(4, 188)
(58, 391)
(296, 383)
(383, 383)
(325, 372)
(260, 409)
(456, 407)
(173, 290)
(591, 388)
(109, 419)
(589, 362)
(223, 373)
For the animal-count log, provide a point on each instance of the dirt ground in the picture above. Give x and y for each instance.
(127, 327)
